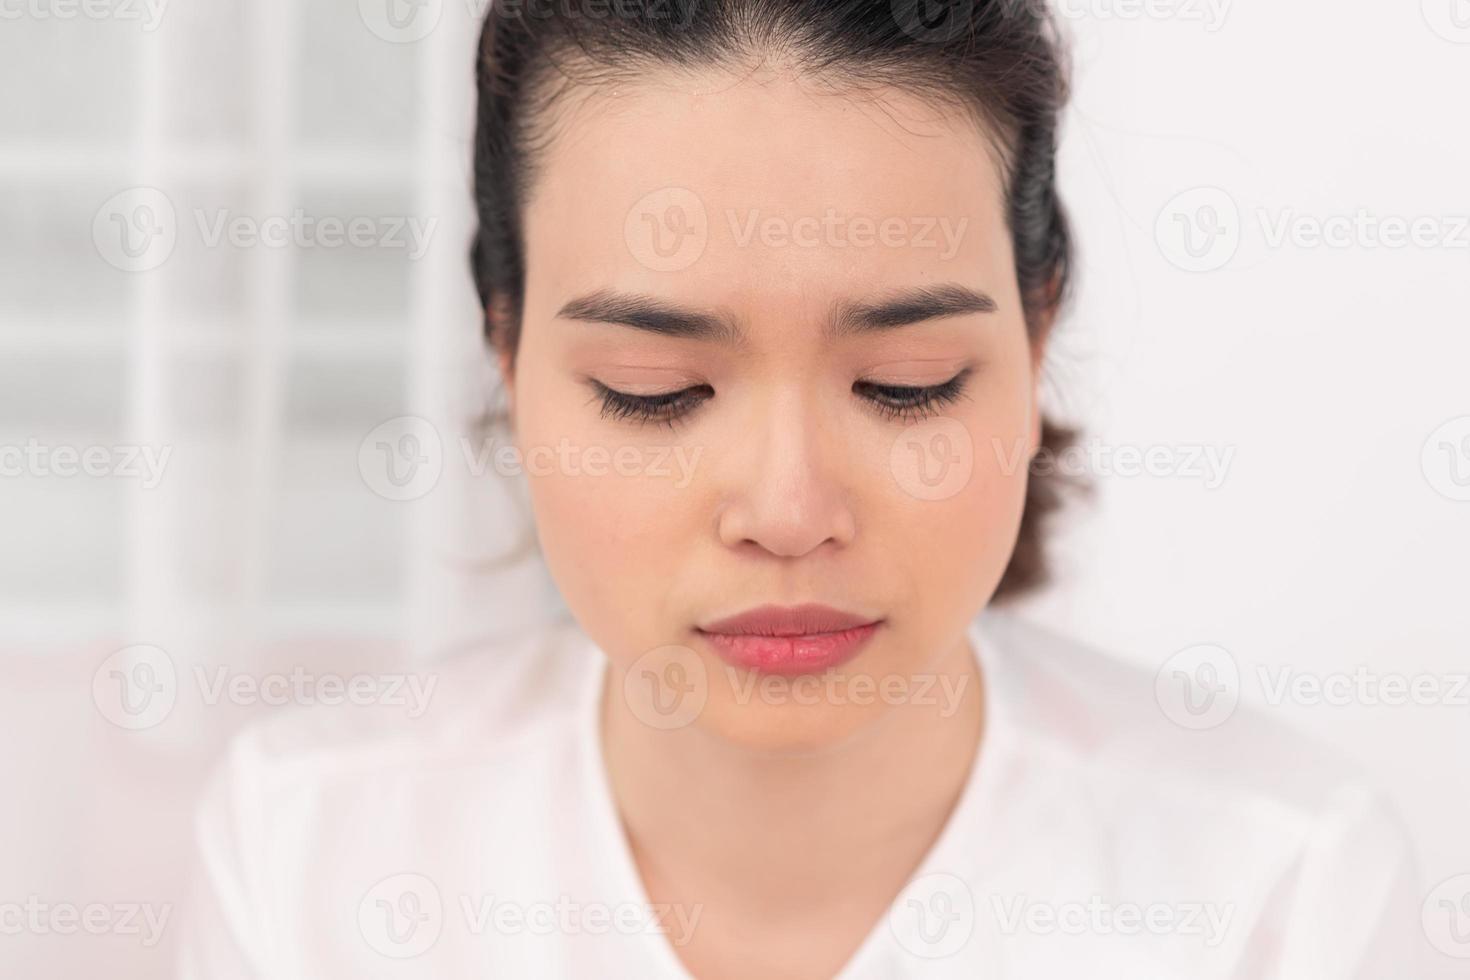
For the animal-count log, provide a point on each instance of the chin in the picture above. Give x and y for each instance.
(769, 713)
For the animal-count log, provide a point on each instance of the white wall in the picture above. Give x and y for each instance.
(1330, 544)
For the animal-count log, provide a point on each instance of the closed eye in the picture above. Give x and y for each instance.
(899, 402)
(665, 407)
(911, 403)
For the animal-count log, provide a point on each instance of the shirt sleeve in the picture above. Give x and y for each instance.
(1354, 913)
(223, 937)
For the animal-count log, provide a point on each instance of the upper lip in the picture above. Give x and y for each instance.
(801, 620)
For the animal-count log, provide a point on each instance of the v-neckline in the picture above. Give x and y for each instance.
(945, 856)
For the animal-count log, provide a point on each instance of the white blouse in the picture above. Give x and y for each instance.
(1095, 838)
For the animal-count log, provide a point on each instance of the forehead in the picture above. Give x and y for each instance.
(763, 189)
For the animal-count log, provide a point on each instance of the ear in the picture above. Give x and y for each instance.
(1039, 340)
(495, 336)
(507, 376)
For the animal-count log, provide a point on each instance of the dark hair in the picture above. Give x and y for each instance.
(999, 61)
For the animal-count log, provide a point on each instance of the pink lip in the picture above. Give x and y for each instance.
(790, 640)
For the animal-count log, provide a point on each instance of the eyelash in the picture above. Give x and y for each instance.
(897, 402)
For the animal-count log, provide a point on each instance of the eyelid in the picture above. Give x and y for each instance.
(916, 372)
(627, 378)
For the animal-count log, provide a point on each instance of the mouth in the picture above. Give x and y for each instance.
(790, 639)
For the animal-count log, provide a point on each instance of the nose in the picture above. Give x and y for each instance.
(785, 487)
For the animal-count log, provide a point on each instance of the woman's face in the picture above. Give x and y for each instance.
(828, 279)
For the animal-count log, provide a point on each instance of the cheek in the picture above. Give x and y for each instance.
(961, 488)
(611, 507)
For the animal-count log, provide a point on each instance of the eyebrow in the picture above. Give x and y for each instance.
(846, 318)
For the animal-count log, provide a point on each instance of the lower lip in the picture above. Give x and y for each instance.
(805, 654)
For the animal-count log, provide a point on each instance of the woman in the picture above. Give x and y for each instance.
(774, 280)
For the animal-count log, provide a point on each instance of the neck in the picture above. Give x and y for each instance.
(707, 818)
